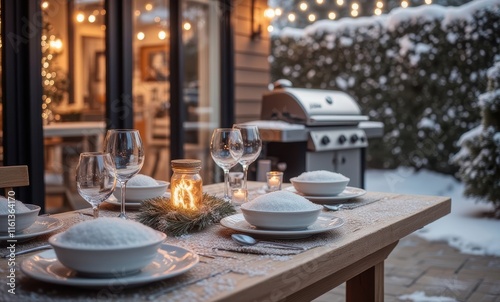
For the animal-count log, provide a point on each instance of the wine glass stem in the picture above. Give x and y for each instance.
(122, 205)
(245, 173)
(226, 185)
(96, 212)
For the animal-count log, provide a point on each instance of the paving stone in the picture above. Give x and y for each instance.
(492, 288)
(433, 291)
(480, 297)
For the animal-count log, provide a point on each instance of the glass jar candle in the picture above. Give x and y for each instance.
(186, 185)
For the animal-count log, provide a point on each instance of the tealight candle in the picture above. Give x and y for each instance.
(274, 180)
(239, 196)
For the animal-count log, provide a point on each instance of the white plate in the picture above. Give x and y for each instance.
(170, 261)
(348, 193)
(42, 225)
(129, 205)
(324, 223)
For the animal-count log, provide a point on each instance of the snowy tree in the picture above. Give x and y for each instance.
(479, 156)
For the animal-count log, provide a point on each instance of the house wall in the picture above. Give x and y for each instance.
(252, 74)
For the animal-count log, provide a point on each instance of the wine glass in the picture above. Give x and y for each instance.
(127, 152)
(252, 145)
(95, 178)
(226, 148)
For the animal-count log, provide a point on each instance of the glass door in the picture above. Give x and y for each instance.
(151, 82)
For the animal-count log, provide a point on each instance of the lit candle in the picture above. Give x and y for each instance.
(274, 181)
(239, 195)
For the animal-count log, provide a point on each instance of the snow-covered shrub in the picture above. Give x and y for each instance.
(418, 70)
(479, 156)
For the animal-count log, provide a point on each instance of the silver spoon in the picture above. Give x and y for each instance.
(34, 249)
(333, 207)
(248, 240)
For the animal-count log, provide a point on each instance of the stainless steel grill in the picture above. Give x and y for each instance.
(310, 129)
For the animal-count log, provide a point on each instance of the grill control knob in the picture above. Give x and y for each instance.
(342, 139)
(354, 138)
(362, 139)
(325, 140)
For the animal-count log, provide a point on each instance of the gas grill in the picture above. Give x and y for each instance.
(310, 129)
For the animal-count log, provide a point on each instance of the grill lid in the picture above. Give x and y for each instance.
(312, 107)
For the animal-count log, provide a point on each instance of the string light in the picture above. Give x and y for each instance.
(162, 35)
(148, 6)
(311, 18)
(303, 6)
(319, 2)
(332, 15)
(140, 36)
(45, 5)
(278, 12)
(428, 2)
(354, 13)
(354, 6)
(291, 17)
(404, 4)
(377, 11)
(269, 13)
(80, 17)
(137, 13)
(340, 2)
(187, 26)
(270, 28)
(91, 18)
(380, 4)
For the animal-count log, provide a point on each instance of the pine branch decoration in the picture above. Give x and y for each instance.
(160, 214)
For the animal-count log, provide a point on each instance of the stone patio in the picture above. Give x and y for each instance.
(436, 269)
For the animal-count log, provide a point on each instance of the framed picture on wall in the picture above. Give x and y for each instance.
(154, 63)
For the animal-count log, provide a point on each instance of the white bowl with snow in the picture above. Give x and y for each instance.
(25, 215)
(106, 246)
(320, 183)
(141, 187)
(280, 210)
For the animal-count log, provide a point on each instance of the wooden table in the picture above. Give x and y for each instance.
(354, 255)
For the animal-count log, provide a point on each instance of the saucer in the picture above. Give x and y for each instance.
(348, 193)
(170, 261)
(43, 225)
(324, 223)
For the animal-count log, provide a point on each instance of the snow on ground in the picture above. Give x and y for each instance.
(465, 228)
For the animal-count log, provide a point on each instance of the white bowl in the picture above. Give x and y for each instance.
(23, 220)
(271, 220)
(138, 194)
(106, 261)
(320, 188)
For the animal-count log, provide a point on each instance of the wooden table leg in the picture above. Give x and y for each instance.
(367, 286)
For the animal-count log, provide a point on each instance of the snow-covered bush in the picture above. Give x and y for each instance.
(418, 70)
(479, 156)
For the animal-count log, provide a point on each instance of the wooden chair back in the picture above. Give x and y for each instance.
(13, 176)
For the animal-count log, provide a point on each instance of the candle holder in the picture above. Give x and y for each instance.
(274, 180)
(239, 196)
(188, 208)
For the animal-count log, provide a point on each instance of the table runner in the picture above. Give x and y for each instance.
(213, 246)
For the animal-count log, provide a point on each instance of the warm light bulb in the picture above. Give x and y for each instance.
(80, 17)
(404, 4)
(291, 17)
(303, 6)
(377, 11)
(187, 26)
(332, 15)
(56, 44)
(340, 2)
(148, 6)
(91, 18)
(278, 12)
(157, 19)
(355, 6)
(354, 13)
(269, 13)
(45, 4)
(319, 1)
(380, 4)
(270, 28)
(428, 1)
(162, 35)
(140, 36)
(137, 13)
(311, 18)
